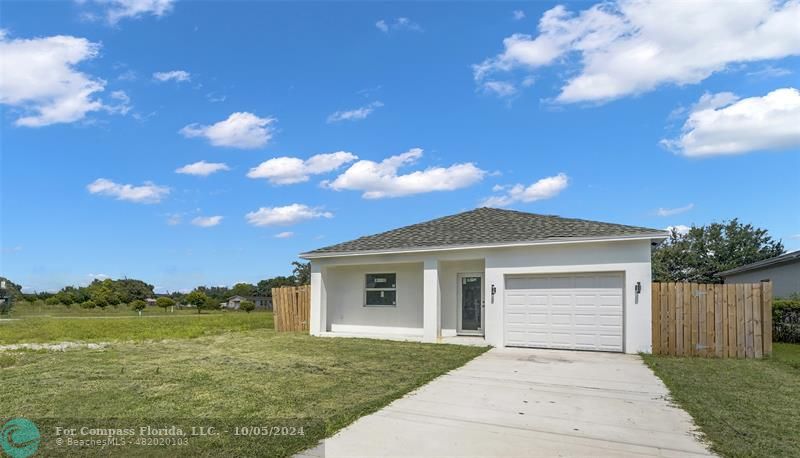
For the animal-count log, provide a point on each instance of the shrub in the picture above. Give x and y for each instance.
(247, 306)
(5, 306)
(138, 305)
(165, 302)
(88, 305)
(786, 320)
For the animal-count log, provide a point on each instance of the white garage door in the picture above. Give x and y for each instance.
(575, 311)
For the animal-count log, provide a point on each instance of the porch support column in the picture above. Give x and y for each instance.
(319, 299)
(431, 304)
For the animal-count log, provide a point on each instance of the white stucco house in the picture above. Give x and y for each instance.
(499, 277)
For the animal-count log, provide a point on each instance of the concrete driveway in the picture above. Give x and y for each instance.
(524, 402)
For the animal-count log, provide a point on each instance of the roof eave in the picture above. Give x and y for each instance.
(550, 241)
(757, 266)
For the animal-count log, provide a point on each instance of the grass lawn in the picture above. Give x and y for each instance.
(124, 328)
(25, 309)
(249, 378)
(745, 407)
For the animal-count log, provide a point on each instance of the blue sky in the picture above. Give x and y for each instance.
(298, 125)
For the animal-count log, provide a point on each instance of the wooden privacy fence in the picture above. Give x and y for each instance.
(291, 307)
(724, 321)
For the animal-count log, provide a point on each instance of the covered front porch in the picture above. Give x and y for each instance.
(427, 300)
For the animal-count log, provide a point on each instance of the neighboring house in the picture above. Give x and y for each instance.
(261, 302)
(150, 301)
(783, 271)
(506, 278)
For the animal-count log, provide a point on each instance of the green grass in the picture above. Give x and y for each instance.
(26, 309)
(745, 407)
(788, 354)
(148, 327)
(234, 379)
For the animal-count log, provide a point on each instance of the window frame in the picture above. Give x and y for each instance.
(366, 289)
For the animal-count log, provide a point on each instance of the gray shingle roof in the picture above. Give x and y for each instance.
(485, 226)
(794, 256)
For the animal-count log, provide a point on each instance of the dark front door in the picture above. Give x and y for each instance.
(471, 303)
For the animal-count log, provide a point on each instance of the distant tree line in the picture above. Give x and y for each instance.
(134, 293)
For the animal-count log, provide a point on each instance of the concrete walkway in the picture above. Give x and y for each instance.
(528, 403)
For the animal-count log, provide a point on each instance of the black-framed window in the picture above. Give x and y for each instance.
(380, 290)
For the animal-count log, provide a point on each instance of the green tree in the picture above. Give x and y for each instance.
(243, 289)
(198, 299)
(64, 297)
(212, 304)
(165, 302)
(128, 289)
(704, 251)
(247, 306)
(302, 272)
(52, 300)
(9, 293)
(178, 297)
(264, 287)
(138, 305)
(12, 289)
(220, 293)
(88, 304)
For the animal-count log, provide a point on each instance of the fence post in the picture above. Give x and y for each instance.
(695, 316)
(687, 319)
(679, 314)
(758, 310)
(655, 319)
(766, 313)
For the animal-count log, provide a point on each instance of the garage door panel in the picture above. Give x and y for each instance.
(608, 321)
(577, 311)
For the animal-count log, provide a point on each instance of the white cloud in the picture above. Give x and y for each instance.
(290, 170)
(518, 15)
(355, 114)
(179, 76)
(398, 24)
(206, 221)
(674, 211)
(240, 130)
(723, 125)
(284, 235)
(128, 75)
(202, 168)
(13, 249)
(679, 228)
(215, 98)
(122, 103)
(629, 47)
(116, 10)
(39, 78)
(545, 188)
(380, 179)
(770, 72)
(148, 193)
(285, 216)
(382, 26)
(173, 219)
(499, 88)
